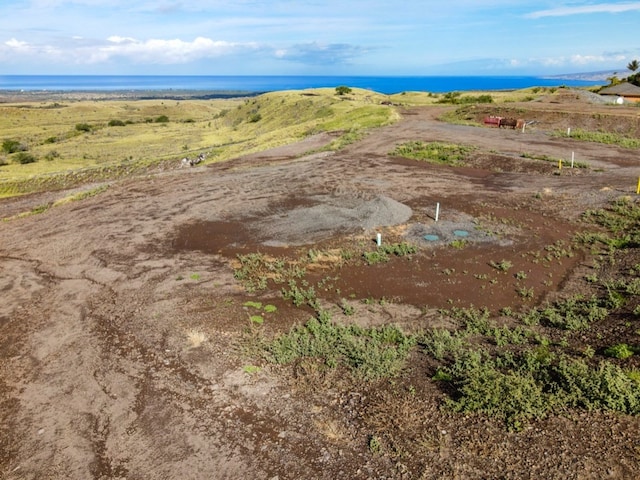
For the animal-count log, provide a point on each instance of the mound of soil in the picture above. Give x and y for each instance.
(309, 224)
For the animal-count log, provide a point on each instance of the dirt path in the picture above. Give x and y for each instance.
(103, 374)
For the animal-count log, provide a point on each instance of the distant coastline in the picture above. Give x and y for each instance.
(230, 86)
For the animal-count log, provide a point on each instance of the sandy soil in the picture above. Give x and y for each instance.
(121, 323)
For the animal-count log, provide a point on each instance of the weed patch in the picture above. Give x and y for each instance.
(369, 353)
(434, 152)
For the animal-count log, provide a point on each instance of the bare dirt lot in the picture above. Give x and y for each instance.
(123, 329)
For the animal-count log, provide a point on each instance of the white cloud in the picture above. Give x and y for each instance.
(173, 51)
(117, 39)
(151, 51)
(13, 43)
(585, 9)
(575, 62)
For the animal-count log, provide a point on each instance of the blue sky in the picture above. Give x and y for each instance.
(317, 37)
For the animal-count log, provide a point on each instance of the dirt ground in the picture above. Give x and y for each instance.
(122, 325)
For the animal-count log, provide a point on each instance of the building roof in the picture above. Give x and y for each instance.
(622, 89)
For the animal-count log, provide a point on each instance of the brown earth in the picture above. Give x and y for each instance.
(103, 374)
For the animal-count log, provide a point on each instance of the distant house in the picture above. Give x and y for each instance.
(626, 90)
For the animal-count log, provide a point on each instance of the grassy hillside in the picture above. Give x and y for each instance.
(58, 144)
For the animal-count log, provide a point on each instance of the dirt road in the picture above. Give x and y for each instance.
(121, 323)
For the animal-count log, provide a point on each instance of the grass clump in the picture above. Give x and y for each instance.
(383, 253)
(369, 353)
(609, 138)
(434, 152)
(621, 219)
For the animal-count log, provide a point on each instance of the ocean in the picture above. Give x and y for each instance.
(259, 84)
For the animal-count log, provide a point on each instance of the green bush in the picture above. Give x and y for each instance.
(370, 353)
(162, 119)
(23, 158)
(520, 388)
(83, 127)
(12, 146)
(456, 98)
(343, 90)
(116, 123)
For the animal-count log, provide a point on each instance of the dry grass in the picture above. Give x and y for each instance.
(196, 337)
(222, 128)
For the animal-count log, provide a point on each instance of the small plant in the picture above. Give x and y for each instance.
(194, 276)
(252, 304)
(250, 369)
(83, 127)
(377, 256)
(521, 275)
(375, 444)
(161, 119)
(459, 243)
(526, 293)
(346, 308)
(621, 351)
(257, 319)
(502, 266)
(591, 278)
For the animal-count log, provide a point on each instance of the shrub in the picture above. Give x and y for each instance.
(12, 146)
(116, 123)
(370, 353)
(83, 127)
(516, 389)
(438, 342)
(162, 119)
(343, 90)
(52, 154)
(23, 158)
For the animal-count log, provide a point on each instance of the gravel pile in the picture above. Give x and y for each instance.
(309, 224)
(594, 97)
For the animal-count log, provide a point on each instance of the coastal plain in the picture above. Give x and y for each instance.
(326, 295)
